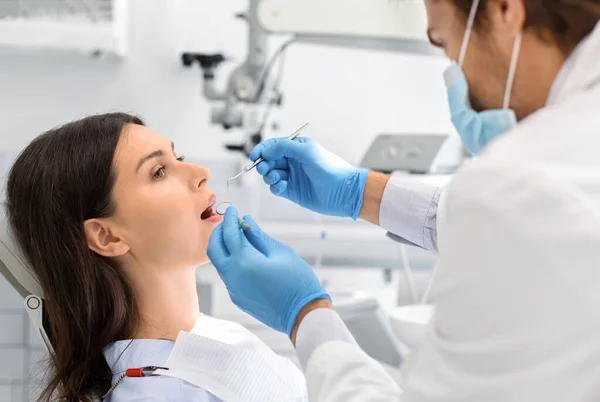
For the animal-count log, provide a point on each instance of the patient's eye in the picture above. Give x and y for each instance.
(159, 174)
(181, 158)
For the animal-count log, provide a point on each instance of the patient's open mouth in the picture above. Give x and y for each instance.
(208, 213)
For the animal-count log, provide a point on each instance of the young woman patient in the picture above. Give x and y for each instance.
(114, 224)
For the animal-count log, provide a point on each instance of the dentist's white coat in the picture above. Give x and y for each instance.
(518, 283)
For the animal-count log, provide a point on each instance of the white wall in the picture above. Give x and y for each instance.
(344, 93)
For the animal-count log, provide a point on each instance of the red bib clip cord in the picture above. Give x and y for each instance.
(134, 373)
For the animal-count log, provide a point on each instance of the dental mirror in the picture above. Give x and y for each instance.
(222, 207)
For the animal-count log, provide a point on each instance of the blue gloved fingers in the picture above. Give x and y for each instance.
(304, 140)
(279, 188)
(261, 149)
(275, 176)
(265, 167)
(217, 251)
(282, 164)
(232, 235)
(257, 150)
(256, 236)
(284, 148)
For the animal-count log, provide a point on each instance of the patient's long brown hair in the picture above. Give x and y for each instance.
(62, 178)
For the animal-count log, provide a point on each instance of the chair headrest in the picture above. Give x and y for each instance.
(13, 265)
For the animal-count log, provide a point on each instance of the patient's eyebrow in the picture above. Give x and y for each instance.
(154, 154)
(146, 158)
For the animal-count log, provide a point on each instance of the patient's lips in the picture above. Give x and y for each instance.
(209, 214)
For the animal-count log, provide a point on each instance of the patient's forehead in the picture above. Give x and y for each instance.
(136, 142)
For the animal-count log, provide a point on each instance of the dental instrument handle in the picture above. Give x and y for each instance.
(245, 226)
(290, 137)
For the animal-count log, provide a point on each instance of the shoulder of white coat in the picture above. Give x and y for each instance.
(159, 388)
(488, 183)
(505, 192)
(529, 199)
(552, 155)
(566, 133)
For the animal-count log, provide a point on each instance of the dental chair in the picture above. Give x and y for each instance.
(18, 273)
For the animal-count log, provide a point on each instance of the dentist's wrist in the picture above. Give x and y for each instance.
(372, 195)
(313, 305)
(356, 184)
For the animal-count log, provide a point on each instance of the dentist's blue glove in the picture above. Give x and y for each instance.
(264, 277)
(306, 173)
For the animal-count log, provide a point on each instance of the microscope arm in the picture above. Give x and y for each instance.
(389, 25)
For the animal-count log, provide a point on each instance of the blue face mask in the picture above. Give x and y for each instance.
(478, 129)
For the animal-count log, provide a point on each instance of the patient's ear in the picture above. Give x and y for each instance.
(102, 240)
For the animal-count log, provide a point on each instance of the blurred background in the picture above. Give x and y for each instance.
(377, 101)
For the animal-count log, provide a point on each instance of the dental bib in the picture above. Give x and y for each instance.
(233, 364)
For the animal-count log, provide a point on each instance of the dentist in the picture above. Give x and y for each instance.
(517, 232)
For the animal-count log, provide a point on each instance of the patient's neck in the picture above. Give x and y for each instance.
(167, 302)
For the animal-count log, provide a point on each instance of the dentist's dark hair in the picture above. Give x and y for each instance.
(563, 22)
(62, 178)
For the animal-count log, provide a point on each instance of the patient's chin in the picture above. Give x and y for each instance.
(188, 256)
(207, 228)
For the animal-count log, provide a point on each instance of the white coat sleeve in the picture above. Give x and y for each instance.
(408, 211)
(336, 368)
(511, 323)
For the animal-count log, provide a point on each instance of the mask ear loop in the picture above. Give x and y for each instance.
(511, 71)
(470, 22)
